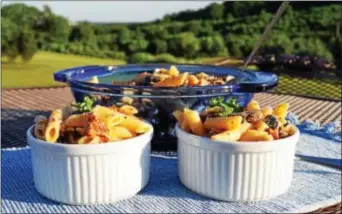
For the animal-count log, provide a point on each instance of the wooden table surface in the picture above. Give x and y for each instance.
(51, 98)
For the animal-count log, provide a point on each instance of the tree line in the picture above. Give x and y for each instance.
(226, 29)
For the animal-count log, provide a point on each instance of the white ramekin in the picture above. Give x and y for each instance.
(93, 173)
(236, 171)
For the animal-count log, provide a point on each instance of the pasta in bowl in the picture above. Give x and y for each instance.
(91, 156)
(231, 157)
(156, 90)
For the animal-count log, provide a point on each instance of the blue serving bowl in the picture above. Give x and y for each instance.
(157, 104)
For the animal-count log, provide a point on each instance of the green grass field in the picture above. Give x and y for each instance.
(39, 71)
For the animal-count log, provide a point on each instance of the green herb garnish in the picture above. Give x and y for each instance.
(216, 101)
(85, 106)
(227, 107)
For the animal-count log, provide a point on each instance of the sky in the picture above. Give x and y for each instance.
(115, 11)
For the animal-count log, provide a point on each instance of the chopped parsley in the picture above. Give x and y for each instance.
(228, 107)
(85, 106)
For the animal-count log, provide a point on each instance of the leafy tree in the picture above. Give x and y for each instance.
(157, 46)
(84, 33)
(175, 28)
(27, 45)
(21, 14)
(215, 11)
(9, 38)
(278, 44)
(245, 8)
(194, 27)
(235, 45)
(124, 36)
(156, 32)
(59, 28)
(139, 45)
(214, 46)
(206, 29)
(311, 47)
(185, 44)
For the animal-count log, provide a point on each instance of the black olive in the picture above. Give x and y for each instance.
(271, 121)
(155, 79)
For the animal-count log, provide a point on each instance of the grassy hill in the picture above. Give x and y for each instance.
(39, 71)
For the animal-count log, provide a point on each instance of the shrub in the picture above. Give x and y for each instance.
(141, 57)
(118, 55)
(165, 58)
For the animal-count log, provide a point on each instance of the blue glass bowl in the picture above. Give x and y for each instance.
(157, 104)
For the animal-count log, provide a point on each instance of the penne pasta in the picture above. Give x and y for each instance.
(113, 120)
(260, 125)
(40, 119)
(102, 112)
(52, 132)
(228, 136)
(120, 132)
(135, 125)
(193, 80)
(194, 121)
(267, 111)
(227, 123)
(181, 120)
(53, 126)
(253, 106)
(245, 126)
(173, 81)
(185, 125)
(99, 124)
(128, 110)
(89, 140)
(202, 75)
(173, 71)
(250, 124)
(127, 100)
(178, 115)
(174, 78)
(77, 120)
(94, 79)
(56, 116)
(280, 110)
(254, 135)
(39, 130)
(203, 82)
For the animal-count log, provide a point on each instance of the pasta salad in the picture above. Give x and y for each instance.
(227, 121)
(172, 77)
(84, 123)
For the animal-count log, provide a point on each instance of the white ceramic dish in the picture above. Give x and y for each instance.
(93, 173)
(236, 171)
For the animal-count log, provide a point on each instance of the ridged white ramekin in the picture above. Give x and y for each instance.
(236, 171)
(93, 173)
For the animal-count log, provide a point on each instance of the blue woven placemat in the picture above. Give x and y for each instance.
(313, 186)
